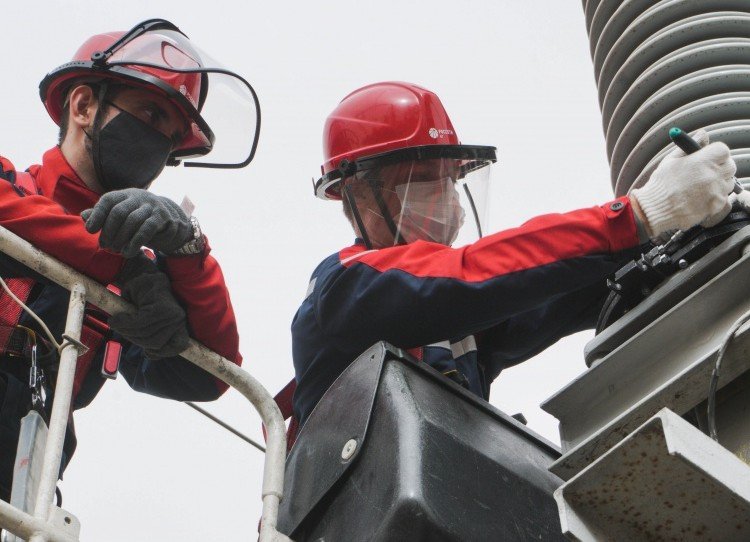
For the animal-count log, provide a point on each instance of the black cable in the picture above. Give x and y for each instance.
(473, 209)
(375, 189)
(714, 385)
(226, 426)
(357, 217)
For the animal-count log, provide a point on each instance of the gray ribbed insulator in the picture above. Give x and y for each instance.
(665, 63)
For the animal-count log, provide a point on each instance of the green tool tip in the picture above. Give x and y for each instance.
(674, 132)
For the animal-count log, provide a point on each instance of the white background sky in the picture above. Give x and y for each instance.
(513, 74)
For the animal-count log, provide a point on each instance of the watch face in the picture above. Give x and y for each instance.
(191, 247)
(196, 244)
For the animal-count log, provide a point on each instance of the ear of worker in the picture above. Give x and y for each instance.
(687, 190)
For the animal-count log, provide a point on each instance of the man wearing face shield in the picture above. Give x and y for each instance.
(412, 193)
(127, 105)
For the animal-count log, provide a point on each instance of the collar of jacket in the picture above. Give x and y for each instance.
(58, 181)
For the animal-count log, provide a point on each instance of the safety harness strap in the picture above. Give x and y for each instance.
(284, 402)
(94, 331)
(93, 339)
(10, 311)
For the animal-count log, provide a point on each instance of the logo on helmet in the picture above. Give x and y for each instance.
(435, 133)
(185, 92)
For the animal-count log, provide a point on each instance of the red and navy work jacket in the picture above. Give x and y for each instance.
(469, 312)
(46, 213)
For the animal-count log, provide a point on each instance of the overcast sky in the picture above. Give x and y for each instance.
(513, 74)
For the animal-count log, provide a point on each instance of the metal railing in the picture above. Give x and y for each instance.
(37, 527)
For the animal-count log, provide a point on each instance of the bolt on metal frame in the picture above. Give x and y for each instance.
(36, 527)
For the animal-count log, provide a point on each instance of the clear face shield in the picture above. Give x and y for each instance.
(221, 107)
(440, 200)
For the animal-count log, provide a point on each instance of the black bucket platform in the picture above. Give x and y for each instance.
(395, 451)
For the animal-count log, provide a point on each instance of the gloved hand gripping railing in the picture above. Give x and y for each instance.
(84, 289)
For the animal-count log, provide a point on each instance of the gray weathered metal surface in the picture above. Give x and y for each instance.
(668, 363)
(666, 481)
(65, 522)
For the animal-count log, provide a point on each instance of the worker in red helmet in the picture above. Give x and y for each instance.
(414, 277)
(128, 104)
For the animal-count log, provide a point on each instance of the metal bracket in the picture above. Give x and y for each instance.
(667, 363)
(666, 481)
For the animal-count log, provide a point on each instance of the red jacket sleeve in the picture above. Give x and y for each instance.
(197, 281)
(45, 224)
(544, 240)
(416, 294)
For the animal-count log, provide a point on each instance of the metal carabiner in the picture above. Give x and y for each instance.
(36, 377)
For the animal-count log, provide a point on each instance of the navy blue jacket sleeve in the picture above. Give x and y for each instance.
(525, 335)
(10, 268)
(171, 378)
(198, 284)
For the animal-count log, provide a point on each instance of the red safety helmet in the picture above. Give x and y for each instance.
(392, 153)
(386, 123)
(157, 56)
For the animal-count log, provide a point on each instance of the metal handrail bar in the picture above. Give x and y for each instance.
(223, 369)
(28, 527)
(58, 422)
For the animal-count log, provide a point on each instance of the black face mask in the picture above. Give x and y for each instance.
(127, 152)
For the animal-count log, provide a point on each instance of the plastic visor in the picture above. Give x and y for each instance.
(224, 111)
(440, 200)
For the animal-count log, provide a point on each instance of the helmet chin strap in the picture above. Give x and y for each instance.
(473, 209)
(94, 136)
(357, 218)
(385, 212)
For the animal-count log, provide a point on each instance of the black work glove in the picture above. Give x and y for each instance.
(132, 218)
(159, 324)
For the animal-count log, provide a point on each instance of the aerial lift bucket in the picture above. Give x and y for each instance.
(396, 451)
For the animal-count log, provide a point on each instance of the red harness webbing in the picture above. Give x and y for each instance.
(10, 311)
(284, 401)
(93, 340)
(93, 332)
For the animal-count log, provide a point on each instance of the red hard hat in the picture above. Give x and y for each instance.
(154, 42)
(383, 117)
(381, 121)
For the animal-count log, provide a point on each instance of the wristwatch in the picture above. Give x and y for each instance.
(196, 244)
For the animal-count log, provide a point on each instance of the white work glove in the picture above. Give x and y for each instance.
(742, 200)
(687, 190)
